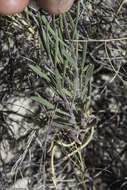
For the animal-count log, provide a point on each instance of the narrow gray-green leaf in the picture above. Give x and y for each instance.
(69, 58)
(43, 102)
(83, 64)
(56, 48)
(46, 103)
(37, 70)
(88, 76)
(58, 81)
(51, 30)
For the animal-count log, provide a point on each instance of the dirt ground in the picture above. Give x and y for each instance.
(105, 23)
